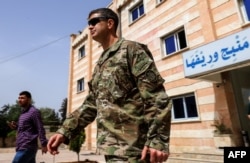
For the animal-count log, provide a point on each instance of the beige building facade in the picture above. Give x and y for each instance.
(202, 50)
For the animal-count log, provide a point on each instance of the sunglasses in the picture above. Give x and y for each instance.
(96, 20)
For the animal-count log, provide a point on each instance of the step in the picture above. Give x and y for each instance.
(191, 160)
(199, 157)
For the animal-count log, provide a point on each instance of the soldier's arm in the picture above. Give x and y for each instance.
(157, 104)
(79, 119)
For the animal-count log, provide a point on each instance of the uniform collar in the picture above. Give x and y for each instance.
(110, 51)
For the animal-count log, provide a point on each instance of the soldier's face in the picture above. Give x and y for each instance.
(98, 26)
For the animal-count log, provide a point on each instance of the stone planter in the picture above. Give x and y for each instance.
(223, 140)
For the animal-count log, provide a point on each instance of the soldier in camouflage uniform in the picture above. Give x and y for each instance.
(126, 97)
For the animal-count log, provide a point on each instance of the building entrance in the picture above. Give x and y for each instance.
(241, 86)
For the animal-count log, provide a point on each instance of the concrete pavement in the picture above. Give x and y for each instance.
(65, 155)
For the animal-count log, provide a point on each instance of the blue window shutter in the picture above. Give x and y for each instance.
(247, 6)
(170, 45)
(141, 10)
(134, 14)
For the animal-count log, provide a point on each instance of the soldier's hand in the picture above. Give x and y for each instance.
(156, 156)
(54, 143)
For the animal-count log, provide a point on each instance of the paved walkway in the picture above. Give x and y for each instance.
(65, 155)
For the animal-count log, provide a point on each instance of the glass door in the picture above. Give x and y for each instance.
(241, 86)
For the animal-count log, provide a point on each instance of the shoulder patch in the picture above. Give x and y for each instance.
(151, 76)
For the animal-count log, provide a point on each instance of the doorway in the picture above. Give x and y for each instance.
(241, 86)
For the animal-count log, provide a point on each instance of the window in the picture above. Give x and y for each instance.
(175, 42)
(159, 1)
(137, 12)
(80, 85)
(184, 107)
(245, 9)
(81, 52)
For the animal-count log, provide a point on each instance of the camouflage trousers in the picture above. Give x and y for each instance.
(126, 159)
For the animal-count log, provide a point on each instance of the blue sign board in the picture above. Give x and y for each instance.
(217, 55)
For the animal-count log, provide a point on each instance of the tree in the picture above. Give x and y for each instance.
(14, 112)
(49, 116)
(5, 109)
(3, 125)
(63, 109)
(4, 129)
(75, 144)
(7, 113)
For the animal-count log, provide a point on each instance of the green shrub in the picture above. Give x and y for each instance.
(53, 128)
(221, 128)
(76, 143)
(12, 133)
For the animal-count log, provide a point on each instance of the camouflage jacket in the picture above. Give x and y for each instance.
(128, 100)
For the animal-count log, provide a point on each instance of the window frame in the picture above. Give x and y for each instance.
(137, 8)
(185, 118)
(80, 52)
(245, 14)
(159, 1)
(80, 85)
(176, 42)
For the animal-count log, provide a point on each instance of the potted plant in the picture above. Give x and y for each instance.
(222, 135)
(221, 128)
